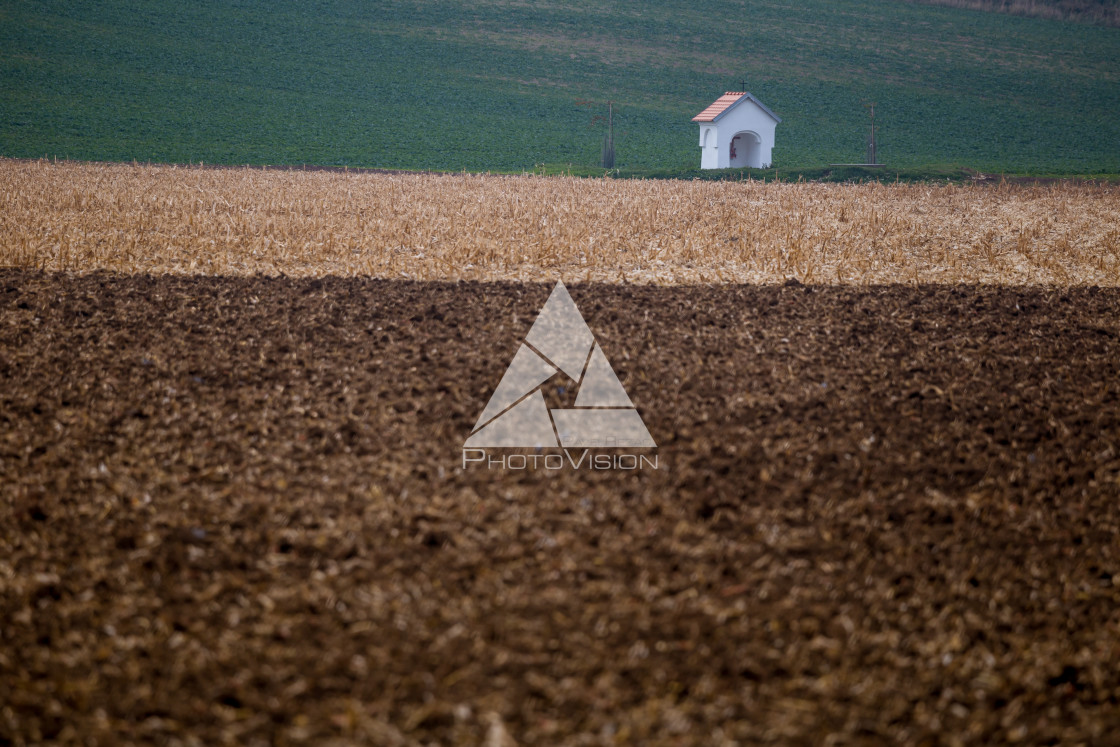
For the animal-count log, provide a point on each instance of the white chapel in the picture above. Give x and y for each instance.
(737, 130)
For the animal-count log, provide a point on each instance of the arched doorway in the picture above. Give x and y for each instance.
(746, 150)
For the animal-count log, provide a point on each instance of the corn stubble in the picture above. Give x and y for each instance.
(76, 217)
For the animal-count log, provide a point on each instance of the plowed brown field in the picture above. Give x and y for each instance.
(234, 510)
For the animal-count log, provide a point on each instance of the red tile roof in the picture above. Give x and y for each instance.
(719, 106)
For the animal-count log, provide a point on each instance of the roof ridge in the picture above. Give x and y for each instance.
(719, 107)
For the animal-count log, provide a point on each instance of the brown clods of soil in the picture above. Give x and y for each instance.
(236, 509)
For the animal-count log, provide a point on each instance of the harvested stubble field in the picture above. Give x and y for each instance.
(160, 219)
(233, 509)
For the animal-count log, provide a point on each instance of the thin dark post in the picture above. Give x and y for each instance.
(607, 160)
(872, 156)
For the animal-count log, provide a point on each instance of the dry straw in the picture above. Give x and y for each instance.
(162, 219)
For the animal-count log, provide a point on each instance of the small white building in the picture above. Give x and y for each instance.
(737, 130)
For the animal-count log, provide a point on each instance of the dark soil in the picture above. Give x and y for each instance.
(235, 510)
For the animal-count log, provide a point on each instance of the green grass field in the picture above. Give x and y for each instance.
(494, 85)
